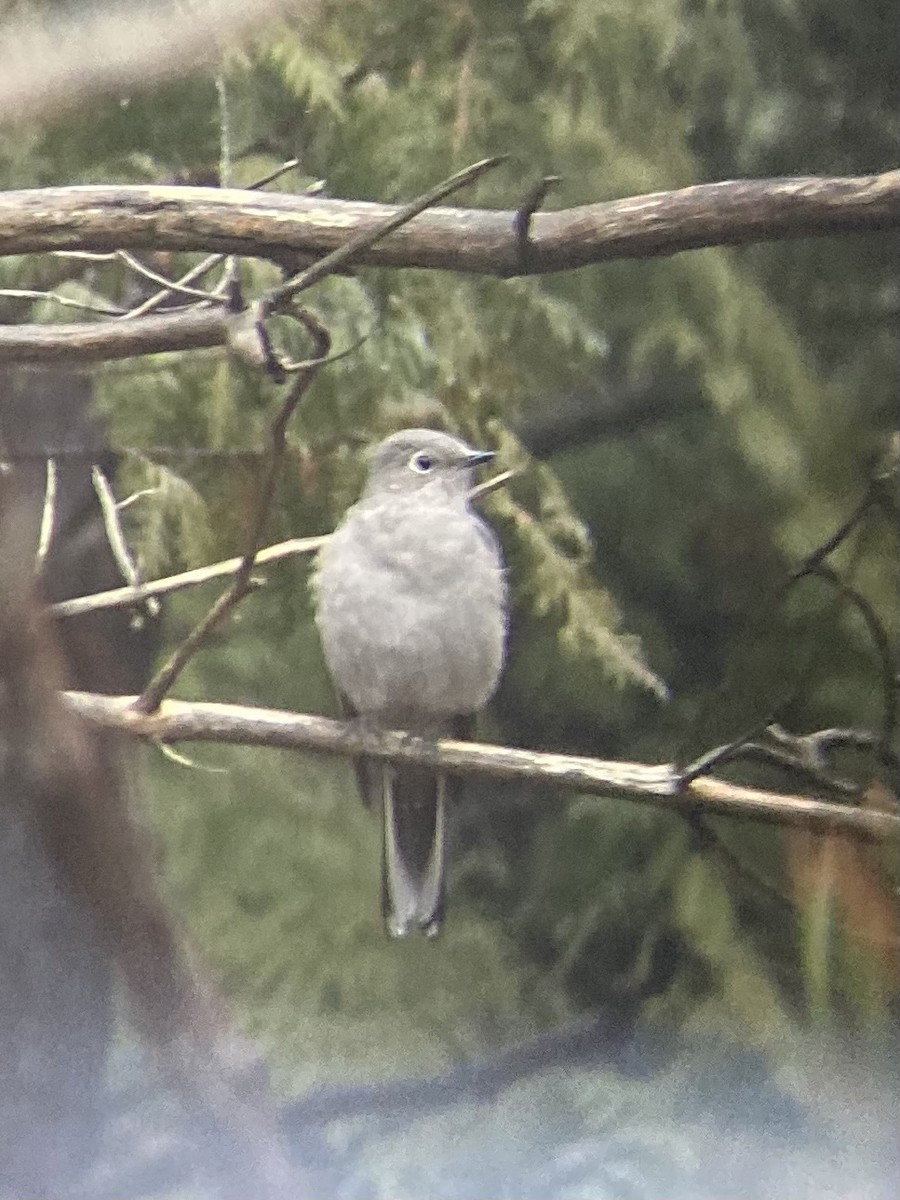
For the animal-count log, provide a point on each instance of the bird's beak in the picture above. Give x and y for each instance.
(477, 458)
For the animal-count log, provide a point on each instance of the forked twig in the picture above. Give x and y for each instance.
(212, 260)
(113, 527)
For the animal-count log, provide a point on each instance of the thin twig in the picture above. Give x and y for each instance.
(368, 237)
(290, 164)
(48, 515)
(792, 754)
(171, 285)
(228, 284)
(121, 505)
(290, 367)
(796, 757)
(158, 298)
(660, 785)
(115, 535)
(525, 212)
(813, 559)
(124, 596)
(720, 755)
(87, 255)
(182, 760)
(63, 301)
(481, 490)
(224, 131)
(224, 454)
(213, 260)
(887, 666)
(814, 564)
(113, 526)
(822, 741)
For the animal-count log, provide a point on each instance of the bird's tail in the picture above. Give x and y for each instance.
(412, 882)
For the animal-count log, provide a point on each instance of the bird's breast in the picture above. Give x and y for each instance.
(412, 610)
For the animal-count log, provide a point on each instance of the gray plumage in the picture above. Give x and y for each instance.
(411, 607)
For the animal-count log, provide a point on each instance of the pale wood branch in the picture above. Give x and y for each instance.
(479, 241)
(123, 596)
(660, 785)
(104, 341)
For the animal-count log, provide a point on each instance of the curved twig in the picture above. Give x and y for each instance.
(881, 642)
(241, 583)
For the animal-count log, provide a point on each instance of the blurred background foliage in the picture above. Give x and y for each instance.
(688, 429)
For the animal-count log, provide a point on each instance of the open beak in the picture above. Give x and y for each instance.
(477, 458)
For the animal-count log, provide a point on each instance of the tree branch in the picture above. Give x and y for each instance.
(122, 597)
(479, 241)
(103, 341)
(659, 785)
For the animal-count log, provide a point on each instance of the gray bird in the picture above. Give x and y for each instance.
(411, 608)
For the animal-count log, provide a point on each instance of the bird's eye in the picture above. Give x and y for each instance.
(421, 462)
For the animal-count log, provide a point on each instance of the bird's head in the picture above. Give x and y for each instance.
(424, 461)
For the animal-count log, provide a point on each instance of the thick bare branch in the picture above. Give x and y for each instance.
(472, 240)
(102, 341)
(658, 785)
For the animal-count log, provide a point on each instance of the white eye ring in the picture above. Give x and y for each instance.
(421, 463)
